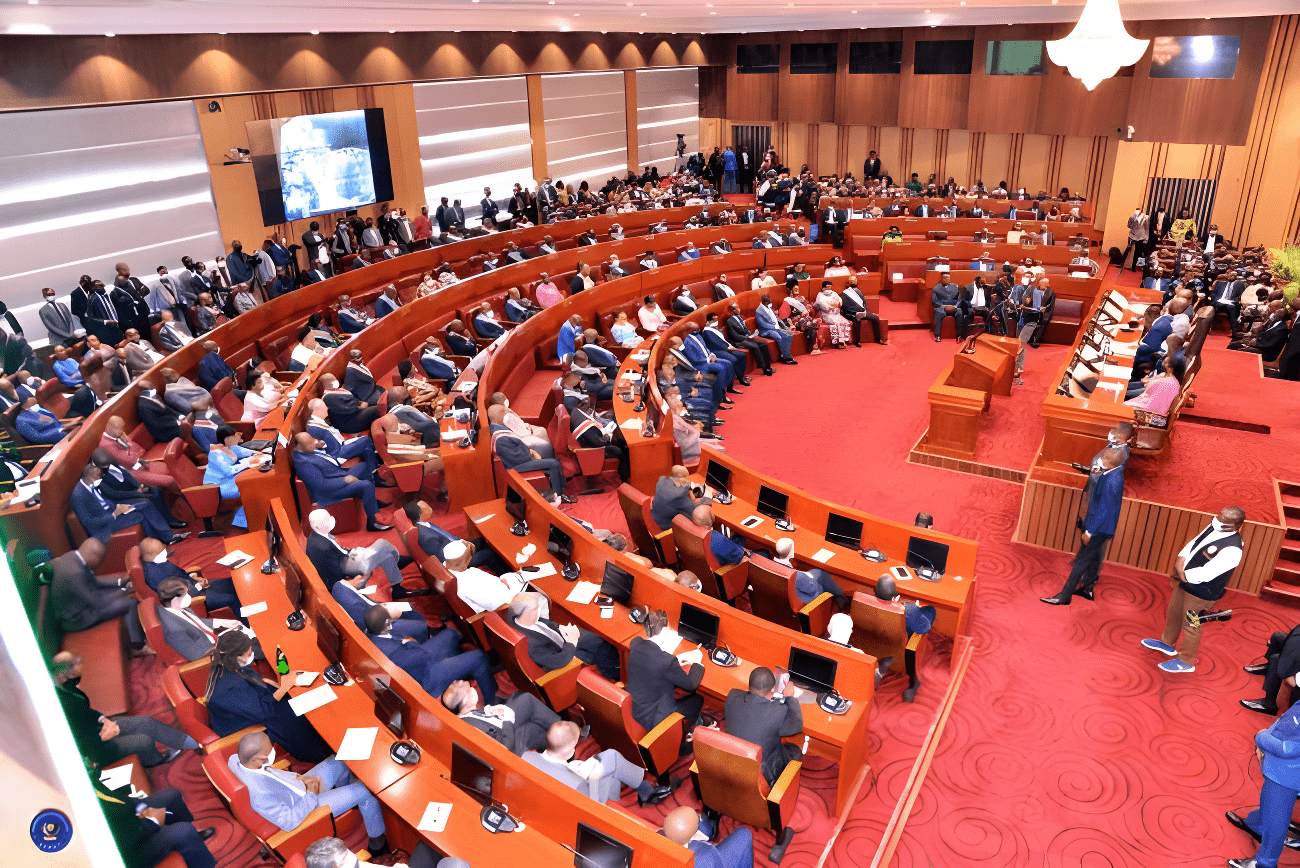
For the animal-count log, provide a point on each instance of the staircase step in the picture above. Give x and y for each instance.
(1289, 489)
(1287, 572)
(1289, 594)
(1290, 550)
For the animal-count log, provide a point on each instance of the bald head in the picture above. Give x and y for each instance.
(702, 516)
(496, 414)
(254, 749)
(885, 588)
(681, 824)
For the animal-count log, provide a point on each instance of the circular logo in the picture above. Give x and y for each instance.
(51, 831)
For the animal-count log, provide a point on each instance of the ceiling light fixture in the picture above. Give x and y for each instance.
(33, 2)
(1098, 46)
(313, 33)
(110, 35)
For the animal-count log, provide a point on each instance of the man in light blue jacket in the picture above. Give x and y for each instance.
(285, 798)
(1278, 749)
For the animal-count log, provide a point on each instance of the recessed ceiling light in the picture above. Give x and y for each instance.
(854, 12)
(315, 33)
(222, 33)
(392, 31)
(927, 12)
(643, 14)
(110, 34)
(33, 2)
(963, 2)
(713, 13)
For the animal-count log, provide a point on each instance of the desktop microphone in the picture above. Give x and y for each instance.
(495, 815)
(873, 554)
(928, 572)
(571, 570)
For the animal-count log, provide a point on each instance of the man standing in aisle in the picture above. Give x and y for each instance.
(1139, 226)
(1200, 578)
(1105, 494)
(728, 170)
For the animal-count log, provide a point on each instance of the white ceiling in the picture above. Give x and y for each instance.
(649, 16)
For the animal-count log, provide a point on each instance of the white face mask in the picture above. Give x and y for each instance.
(248, 661)
(270, 759)
(1113, 440)
(161, 557)
(186, 601)
(1220, 527)
(1024, 281)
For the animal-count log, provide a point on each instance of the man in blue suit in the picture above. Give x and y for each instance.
(328, 482)
(485, 323)
(716, 340)
(570, 333)
(351, 319)
(119, 486)
(770, 327)
(335, 444)
(433, 540)
(436, 364)
(724, 548)
(347, 591)
(597, 355)
(697, 352)
(1278, 749)
(682, 826)
(1105, 491)
(387, 302)
(212, 368)
(38, 425)
(100, 518)
(435, 663)
(458, 341)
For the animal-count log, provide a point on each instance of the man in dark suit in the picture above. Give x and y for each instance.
(436, 364)
(515, 454)
(519, 724)
(551, 646)
(1225, 295)
(149, 830)
(488, 205)
(131, 298)
(854, 308)
(444, 217)
(763, 716)
(81, 599)
(183, 630)
(358, 380)
(739, 335)
(119, 486)
(159, 420)
(102, 318)
(1281, 661)
(347, 591)
(716, 341)
(871, 167)
(1105, 493)
(328, 482)
(317, 250)
(212, 368)
(100, 517)
(946, 297)
(338, 446)
(922, 210)
(458, 341)
(653, 676)
(673, 497)
(158, 567)
(345, 412)
(315, 274)
(436, 662)
(433, 540)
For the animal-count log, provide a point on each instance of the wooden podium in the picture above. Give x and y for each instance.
(962, 393)
(989, 368)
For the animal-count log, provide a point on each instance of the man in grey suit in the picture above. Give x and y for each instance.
(62, 324)
(81, 599)
(184, 631)
(601, 777)
(673, 497)
(519, 724)
(1139, 227)
(285, 798)
(763, 715)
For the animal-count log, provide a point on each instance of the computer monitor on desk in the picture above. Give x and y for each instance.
(718, 476)
(772, 503)
(698, 626)
(471, 774)
(844, 531)
(328, 639)
(390, 710)
(616, 583)
(812, 671)
(563, 543)
(598, 850)
(927, 557)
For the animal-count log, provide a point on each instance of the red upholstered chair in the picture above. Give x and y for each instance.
(726, 582)
(591, 461)
(119, 544)
(184, 685)
(557, 689)
(408, 474)
(651, 540)
(608, 708)
(536, 478)
(772, 597)
(153, 632)
(224, 400)
(318, 824)
(440, 579)
(880, 629)
(349, 514)
(728, 775)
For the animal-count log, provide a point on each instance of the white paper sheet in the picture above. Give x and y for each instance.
(544, 569)
(823, 555)
(252, 609)
(1115, 372)
(357, 743)
(751, 521)
(116, 777)
(367, 590)
(583, 593)
(631, 424)
(668, 640)
(435, 817)
(235, 559)
(312, 699)
(401, 607)
(305, 679)
(690, 658)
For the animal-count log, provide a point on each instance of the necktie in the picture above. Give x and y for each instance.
(198, 622)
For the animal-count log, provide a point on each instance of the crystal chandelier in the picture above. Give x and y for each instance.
(1098, 46)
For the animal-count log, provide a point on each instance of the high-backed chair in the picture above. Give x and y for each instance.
(608, 708)
(772, 597)
(153, 634)
(320, 823)
(408, 474)
(726, 582)
(651, 540)
(558, 689)
(728, 774)
(591, 461)
(880, 629)
(119, 543)
(183, 684)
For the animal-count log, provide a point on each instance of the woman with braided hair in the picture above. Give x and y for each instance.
(238, 697)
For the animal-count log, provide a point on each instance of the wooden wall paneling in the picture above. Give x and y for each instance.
(871, 99)
(710, 134)
(1204, 110)
(957, 156)
(630, 121)
(975, 159)
(713, 91)
(940, 161)
(933, 101)
(537, 126)
(795, 153)
(809, 98)
(924, 149)
(843, 163)
(1035, 152)
(751, 98)
(1133, 166)
(398, 103)
(831, 139)
(1003, 103)
(891, 152)
(1076, 154)
(906, 155)
(1015, 149)
(861, 140)
(996, 155)
(1055, 152)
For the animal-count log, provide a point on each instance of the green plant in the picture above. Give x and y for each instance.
(1285, 263)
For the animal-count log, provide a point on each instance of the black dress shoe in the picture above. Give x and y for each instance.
(380, 482)
(401, 593)
(745, 381)
(205, 834)
(789, 362)
(734, 392)
(404, 561)
(767, 372)
(178, 538)
(726, 402)
(376, 527)
(1240, 823)
(171, 755)
(1255, 669)
(657, 795)
(1087, 594)
(1262, 708)
(177, 524)
(565, 498)
(1055, 601)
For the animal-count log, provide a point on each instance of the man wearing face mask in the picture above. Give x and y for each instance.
(519, 724)
(1200, 578)
(333, 853)
(62, 326)
(219, 593)
(104, 740)
(435, 662)
(1105, 492)
(329, 556)
(183, 630)
(285, 798)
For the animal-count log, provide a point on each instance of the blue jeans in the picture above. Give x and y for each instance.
(729, 181)
(342, 792)
(1271, 820)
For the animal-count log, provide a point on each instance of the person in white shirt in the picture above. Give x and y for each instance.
(623, 331)
(651, 316)
(481, 591)
(1200, 579)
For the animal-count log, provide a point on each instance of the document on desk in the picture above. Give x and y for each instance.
(116, 778)
(357, 743)
(823, 555)
(668, 640)
(252, 609)
(312, 699)
(401, 607)
(690, 658)
(631, 424)
(435, 817)
(583, 592)
(235, 559)
(544, 569)
(368, 590)
(305, 679)
(1115, 372)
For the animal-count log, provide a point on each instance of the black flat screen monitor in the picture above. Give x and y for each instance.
(698, 626)
(328, 639)
(471, 774)
(272, 538)
(390, 709)
(562, 541)
(718, 476)
(598, 850)
(772, 503)
(515, 504)
(292, 583)
(923, 552)
(812, 671)
(843, 531)
(617, 583)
